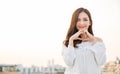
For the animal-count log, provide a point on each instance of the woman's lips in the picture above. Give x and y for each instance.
(82, 27)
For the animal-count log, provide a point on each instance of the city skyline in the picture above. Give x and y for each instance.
(32, 32)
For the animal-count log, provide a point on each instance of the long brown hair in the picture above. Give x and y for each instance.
(72, 29)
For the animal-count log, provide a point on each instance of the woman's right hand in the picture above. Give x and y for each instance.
(75, 37)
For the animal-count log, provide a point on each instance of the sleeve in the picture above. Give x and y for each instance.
(99, 52)
(68, 54)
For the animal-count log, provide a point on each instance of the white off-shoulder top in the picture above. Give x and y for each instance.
(86, 59)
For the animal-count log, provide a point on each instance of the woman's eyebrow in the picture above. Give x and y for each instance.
(85, 17)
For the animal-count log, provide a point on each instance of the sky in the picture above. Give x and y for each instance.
(32, 31)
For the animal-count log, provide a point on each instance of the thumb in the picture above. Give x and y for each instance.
(79, 38)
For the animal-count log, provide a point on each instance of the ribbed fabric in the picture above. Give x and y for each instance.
(86, 59)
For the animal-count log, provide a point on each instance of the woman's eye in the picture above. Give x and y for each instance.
(85, 19)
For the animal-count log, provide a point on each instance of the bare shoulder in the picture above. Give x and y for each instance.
(64, 41)
(98, 39)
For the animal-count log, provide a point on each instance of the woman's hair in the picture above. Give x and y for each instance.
(72, 29)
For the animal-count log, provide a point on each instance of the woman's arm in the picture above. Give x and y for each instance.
(68, 54)
(99, 52)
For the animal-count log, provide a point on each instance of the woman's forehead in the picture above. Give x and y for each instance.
(83, 15)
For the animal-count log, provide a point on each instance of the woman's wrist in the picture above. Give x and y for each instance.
(94, 40)
(71, 42)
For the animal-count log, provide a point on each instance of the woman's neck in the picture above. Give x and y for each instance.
(84, 36)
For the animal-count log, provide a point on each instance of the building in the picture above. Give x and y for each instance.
(16, 69)
(112, 67)
(53, 69)
(8, 68)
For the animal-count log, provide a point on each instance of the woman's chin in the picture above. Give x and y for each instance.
(82, 29)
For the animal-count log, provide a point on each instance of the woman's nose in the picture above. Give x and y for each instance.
(81, 23)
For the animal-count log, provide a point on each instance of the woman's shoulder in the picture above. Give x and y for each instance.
(98, 39)
(64, 42)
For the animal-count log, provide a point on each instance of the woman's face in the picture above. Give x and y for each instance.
(83, 22)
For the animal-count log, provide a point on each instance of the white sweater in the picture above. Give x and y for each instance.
(86, 59)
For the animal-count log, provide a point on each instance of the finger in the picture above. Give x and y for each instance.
(88, 34)
(86, 31)
(78, 33)
(88, 39)
(79, 38)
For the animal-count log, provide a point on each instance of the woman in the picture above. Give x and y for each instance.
(82, 52)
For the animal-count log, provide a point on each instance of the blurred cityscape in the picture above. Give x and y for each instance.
(111, 67)
(20, 69)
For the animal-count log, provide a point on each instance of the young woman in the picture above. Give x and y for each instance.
(82, 52)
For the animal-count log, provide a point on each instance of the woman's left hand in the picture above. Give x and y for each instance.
(90, 37)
